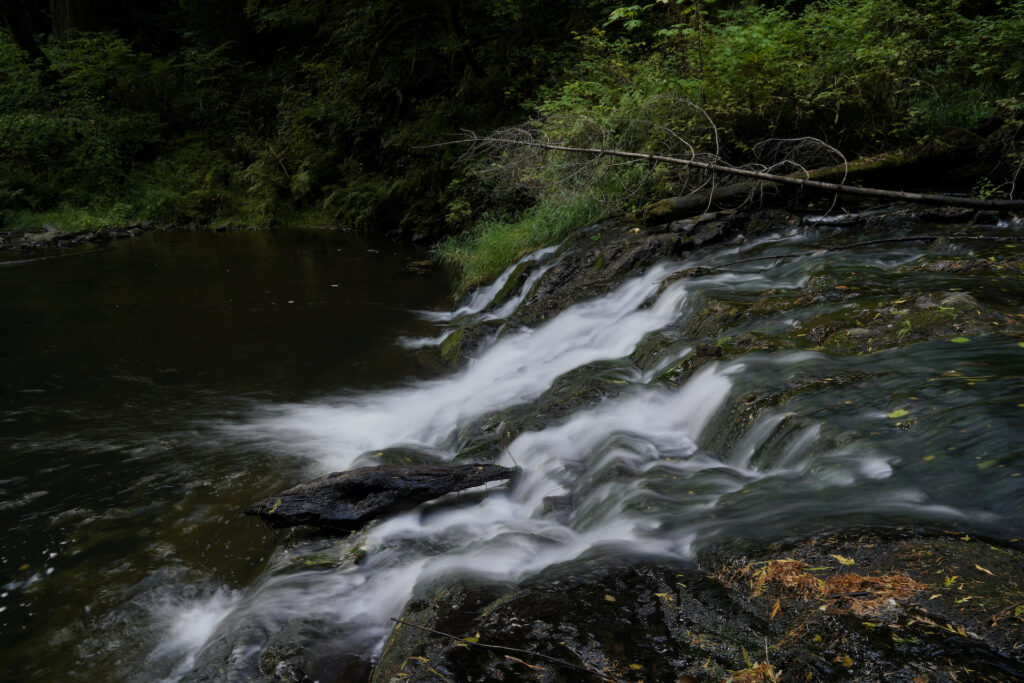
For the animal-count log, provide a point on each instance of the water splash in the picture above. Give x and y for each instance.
(481, 298)
(656, 470)
(517, 368)
(189, 625)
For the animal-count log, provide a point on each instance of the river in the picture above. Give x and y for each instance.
(154, 389)
(120, 493)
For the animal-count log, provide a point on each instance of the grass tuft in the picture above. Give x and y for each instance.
(483, 253)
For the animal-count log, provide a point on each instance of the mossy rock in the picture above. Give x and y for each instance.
(451, 347)
(891, 605)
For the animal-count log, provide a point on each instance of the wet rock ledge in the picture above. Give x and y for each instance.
(347, 501)
(895, 606)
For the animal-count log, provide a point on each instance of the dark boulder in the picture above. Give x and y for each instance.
(346, 501)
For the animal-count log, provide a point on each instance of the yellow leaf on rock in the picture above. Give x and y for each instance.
(982, 569)
(843, 560)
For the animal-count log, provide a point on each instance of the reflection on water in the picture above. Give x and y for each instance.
(120, 503)
(154, 470)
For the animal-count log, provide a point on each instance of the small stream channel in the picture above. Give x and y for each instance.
(154, 389)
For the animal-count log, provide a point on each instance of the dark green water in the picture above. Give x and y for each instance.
(119, 503)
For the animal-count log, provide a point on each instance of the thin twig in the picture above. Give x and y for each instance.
(279, 162)
(504, 648)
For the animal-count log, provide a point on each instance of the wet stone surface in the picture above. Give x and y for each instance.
(898, 606)
(346, 501)
(892, 604)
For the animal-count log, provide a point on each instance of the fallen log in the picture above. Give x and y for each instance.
(346, 501)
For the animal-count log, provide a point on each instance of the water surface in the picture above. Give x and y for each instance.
(119, 493)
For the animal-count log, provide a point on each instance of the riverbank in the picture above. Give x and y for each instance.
(48, 237)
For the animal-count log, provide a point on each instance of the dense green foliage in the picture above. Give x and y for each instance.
(292, 111)
(268, 111)
(721, 79)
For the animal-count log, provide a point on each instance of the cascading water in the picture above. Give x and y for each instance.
(650, 471)
(683, 409)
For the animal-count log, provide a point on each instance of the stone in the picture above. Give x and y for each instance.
(346, 501)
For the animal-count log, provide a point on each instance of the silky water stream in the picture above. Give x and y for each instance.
(658, 463)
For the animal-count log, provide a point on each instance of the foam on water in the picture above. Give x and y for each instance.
(509, 535)
(653, 471)
(189, 625)
(515, 369)
(481, 298)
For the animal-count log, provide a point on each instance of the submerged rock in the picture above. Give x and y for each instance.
(345, 501)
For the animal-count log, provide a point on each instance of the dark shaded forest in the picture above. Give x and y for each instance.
(287, 112)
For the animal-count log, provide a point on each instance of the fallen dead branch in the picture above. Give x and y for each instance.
(518, 137)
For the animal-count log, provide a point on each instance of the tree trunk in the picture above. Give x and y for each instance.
(68, 16)
(19, 16)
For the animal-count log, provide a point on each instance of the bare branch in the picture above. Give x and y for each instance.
(500, 141)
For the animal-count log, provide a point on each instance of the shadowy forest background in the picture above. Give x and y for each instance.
(296, 112)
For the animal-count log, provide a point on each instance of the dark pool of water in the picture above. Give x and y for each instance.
(117, 501)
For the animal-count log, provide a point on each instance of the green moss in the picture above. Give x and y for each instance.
(451, 347)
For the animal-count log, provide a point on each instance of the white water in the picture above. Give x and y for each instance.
(632, 474)
(189, 625)
(509, 535)
(481, 298)
(517, 368)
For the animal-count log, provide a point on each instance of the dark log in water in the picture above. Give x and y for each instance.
(346, 501)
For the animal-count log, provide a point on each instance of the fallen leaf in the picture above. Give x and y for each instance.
(959, 340)
(843, 560)
(845, 660)
(898, 413)
(775, 610)
(609, 598)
